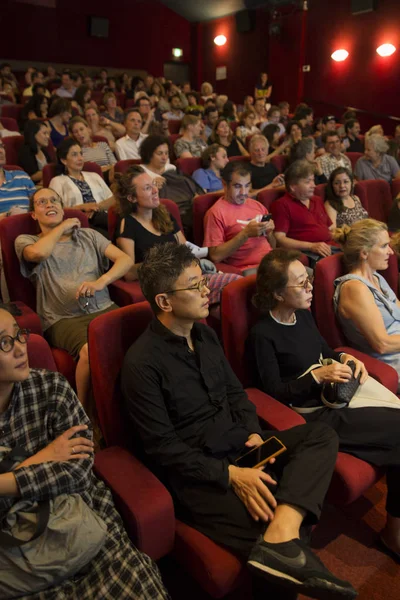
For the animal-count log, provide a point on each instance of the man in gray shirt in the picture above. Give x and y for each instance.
(68, 266)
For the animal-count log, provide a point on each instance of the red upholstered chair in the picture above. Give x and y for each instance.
(174, 126)
(19, 287)
(320, 190)
(93, 167)
(280, 162)
(129, 102)
(354, 156)
(12, 168)
(48, 172)
(12, 146)
(122, 166)
(123, 292)
(395, 187)
(376, 197)
(326, 271)
(39, 353)
(215, 569)
(234, 125)
(9, 123)
(267, 197)
(188, 165)
(99, 138)
(12, 110)
(239, 158)
(51, 151)
(121, 99)
(97, 96)
(352, 476)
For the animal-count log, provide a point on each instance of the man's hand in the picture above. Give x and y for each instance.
(360, 367)
(254, 440)
(89, 288)
(321, 248)
(65, 447)
(277, 181)
(255, 229)
(249, 486)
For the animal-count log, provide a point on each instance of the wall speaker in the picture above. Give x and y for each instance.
(245, 21)
(358, 7)
(98, 27)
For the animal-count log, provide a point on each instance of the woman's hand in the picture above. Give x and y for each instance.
(334, 373)
(360, 367)
(65, 447)
(90, 207)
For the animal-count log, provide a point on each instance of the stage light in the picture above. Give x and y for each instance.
(220, 40)
(386, 50)
(177, 52)
(339, 55)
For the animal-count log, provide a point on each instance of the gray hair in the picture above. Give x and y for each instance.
(378, 143)
(258, 137)
(302, 148)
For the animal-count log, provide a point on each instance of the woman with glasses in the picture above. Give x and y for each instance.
(42, 417)
(287, 356)
(145, 222)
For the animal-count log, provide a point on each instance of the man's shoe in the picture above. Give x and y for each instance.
(292, 564)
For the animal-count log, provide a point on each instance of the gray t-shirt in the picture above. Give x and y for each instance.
(56, 279)
(387, 170)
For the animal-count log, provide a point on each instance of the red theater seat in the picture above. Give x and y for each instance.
(174, 126)
(267, 197)
(239, 159)
(122, 166)
(352, 476)
(188, 165)
(354, 156)
(9, 123)
(12, 110)
(376, 197)
(100, 138)
(281, 162)
(12, 146)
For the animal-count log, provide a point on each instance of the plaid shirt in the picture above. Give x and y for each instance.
(41, 408)
(329, 163)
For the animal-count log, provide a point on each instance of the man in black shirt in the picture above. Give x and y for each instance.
(194, 419)
(352, 142)
(264, 175)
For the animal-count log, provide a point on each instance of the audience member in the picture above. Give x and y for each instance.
(248, 104)
(284, 109)
(69, 267)
(342, 206)
(51, 76)
(290, 361)
(234, 230)
(273, 135)
(67, 89)
(128, 147)
(229, 111)
(246, 125)
(102, 126)
(366, 306)
(305, 150)
(264, 175)
(333, 157)
(190, 143)
(375, 130)
(294, 134)
(193, 103)
(263, 88)
(112, 112)
(222, 134)
(352, 142)
(33, 155)
(260, 110)
(305, 117)
(59, 116)
(376, 163)
(5, 71)
(36, 108)
(301, 222)
(328, 124)
(15, 188)
(229, 504)
(214, 159)
(210, 118)
(97, 152)
(220, 102)
(206, 91)
(42, 415)
(175, 111)
(147, 113)
(101, 80)
(273, 118)
(36, 77)
(81, 99)
(7, 92)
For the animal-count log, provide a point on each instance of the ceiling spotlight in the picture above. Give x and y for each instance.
(386, 50)
(339, 55)
(220, 40)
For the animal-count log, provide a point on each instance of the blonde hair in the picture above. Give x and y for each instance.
(220, 101)
(258, 137)
(206, 89)
(375, 129)
(362, 235)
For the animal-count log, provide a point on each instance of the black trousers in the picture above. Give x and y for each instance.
(303, 474)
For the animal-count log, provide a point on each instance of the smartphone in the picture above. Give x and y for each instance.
(259, 456)
(266, 218)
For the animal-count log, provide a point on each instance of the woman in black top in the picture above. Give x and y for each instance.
(36, 108)
(284, 349)
(33, 156)
(222, 134)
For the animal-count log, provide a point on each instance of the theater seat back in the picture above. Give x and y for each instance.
(201, 204)
(376, 197)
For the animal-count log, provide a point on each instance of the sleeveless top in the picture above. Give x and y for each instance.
(350, 215)
(385, 300)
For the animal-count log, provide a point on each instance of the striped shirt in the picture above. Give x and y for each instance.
(16, 189)
(101, 154)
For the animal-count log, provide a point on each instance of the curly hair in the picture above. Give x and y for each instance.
(272, 277)
(150, 145)
(125, 186)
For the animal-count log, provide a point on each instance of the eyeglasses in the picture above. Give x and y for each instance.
(44, 201)
(307, 282)
(7, 342)
(200, 286)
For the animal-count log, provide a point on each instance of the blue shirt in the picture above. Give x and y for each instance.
(208, 180)
(16, 190)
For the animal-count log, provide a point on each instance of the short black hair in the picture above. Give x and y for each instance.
(210, 109)
(150, 145)
(131, 110)
(350, 124)
(162, 266)
(328, 134)
(239, 167)
(303, 113)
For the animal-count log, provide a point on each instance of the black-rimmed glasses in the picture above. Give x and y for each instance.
(7, 341)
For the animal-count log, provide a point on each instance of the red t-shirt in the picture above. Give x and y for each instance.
(221, 225)
(299, 222)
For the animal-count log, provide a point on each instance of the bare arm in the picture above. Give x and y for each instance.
(332, 213)
(42, 249)
(357, 303)
(150, 116)
(36, 177)
(252, 229)
(8, 485)
(128, 246)
(242, 149)
(318, 247)
(107, 203)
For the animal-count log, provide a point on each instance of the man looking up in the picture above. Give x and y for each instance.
(68, 266)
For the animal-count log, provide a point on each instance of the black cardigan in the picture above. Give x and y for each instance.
(27, 159)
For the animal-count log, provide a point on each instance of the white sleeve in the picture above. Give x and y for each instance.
(120, 150)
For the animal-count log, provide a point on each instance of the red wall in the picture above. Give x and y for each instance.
(142, 34)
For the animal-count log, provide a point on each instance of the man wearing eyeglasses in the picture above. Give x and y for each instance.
(68, 266)
(194, 419)
(333, 157)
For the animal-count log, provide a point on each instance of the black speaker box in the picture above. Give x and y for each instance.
(245, 20)
(358, 7)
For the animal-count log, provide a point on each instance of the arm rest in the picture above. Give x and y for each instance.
(379, 370)
(125, 293)
(275, 414)
(144, 503)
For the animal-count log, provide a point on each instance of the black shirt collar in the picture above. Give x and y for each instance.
(157, 327)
